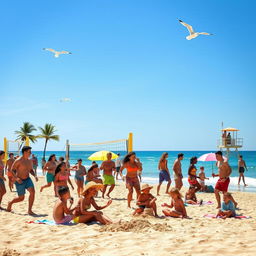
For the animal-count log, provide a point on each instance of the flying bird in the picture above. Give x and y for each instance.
(65, 100)
(192, 33)
(56, 53)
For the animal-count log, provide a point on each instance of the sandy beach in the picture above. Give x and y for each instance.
(133, 235)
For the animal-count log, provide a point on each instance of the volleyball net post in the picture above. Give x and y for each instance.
(5, 150)
(12, 146)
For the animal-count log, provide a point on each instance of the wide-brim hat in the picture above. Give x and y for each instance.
(92, 184)
(146, 186)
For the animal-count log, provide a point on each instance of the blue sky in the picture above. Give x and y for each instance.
(132, 70)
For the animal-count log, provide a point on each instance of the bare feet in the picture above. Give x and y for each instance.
(218, 207)
(9, 207)
(31, 213)
(108, 196)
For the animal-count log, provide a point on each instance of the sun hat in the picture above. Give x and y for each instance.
(145, 186)
(92, 184)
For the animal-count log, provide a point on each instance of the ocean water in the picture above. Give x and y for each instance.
(150, 160)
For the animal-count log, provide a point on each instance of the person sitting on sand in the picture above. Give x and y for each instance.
(146, 200)
(190, 196)
(8, 167)
(2, 178)
(62, 214)
(178, 204)
(21, 169)
(93, 174)
(202, 179)
(85, 203)
(108, 167)
(192, 177)
(50, 168)
(227, 208)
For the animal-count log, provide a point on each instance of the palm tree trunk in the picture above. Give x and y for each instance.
(45, 147)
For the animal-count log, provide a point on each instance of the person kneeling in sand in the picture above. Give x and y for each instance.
(178, 204)
(146, 200)
(190, 196)
(227, 208)
(62, 214)
(85, 203)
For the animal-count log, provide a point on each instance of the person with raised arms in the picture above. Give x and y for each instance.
(21, 169)
(132, 164)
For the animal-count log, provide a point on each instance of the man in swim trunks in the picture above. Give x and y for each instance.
(164, 174)
(108, 167)
(223, 181)
(8, 167)
(177, 171)
(23, 167)
(241, 168)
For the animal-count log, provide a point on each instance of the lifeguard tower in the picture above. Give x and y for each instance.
(229, 141)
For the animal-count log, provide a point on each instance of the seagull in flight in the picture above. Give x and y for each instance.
(192, 33)
(65, 100)
(56, 53)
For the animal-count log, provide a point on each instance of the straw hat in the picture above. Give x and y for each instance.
(145, 186)
(92, 184)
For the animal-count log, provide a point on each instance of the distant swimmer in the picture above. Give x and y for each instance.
(56, 53)
(192, 33)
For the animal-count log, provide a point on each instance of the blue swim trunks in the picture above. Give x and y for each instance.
(164, 175)
(81, 178)
(21, 188)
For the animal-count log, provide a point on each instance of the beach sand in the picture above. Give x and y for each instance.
(133, 235)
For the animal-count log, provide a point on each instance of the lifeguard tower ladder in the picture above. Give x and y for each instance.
(229, 141)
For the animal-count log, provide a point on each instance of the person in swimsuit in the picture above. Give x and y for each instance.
(192, 177)
(35, 163)
(62, 214)
(108, 167)
(79, 176)
(93, 174)
(2, 178)
(85, 203)
(228, 208)
(164, 174)
(132, 165)
(202, 179)
(50, 168)
(176, 203)
(118, 166)
(241, 168)
(8, 167)
(21, 169)
(223, 181)
(61, 178)
(177, 172)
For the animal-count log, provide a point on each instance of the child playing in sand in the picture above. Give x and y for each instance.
(202, 179)
(85, 203)
(228, 208)
(190, 196)
(178, 204)
(146, 200)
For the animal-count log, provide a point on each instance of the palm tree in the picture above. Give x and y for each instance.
(24, 132)
(47, 133)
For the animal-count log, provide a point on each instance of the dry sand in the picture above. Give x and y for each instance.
(133, 235)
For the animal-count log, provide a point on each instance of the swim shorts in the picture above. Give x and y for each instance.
(164, 175)
(21, 188)
(222, 185)
(2, 182)
(49, 177)
(133, 182)
(68, 219)
(108, 179)
(81, 178)
(118, 169)
(192, 181)
(241, 169)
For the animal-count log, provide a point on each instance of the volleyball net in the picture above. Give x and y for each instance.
(11, 146)
(116, 146)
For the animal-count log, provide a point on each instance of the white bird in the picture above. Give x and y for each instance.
(192, 33)
(56, 53)
(65, 100)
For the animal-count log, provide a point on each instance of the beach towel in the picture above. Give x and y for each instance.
(47, 222)
(198, 204)
(214, 216)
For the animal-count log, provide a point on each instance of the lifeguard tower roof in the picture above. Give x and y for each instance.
(230, 129)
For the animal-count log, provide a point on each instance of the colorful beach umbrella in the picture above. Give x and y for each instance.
(209, 157)
(101, 155)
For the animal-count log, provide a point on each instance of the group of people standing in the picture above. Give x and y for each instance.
(58, 173)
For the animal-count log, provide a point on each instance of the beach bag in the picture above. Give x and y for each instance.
(209, 189)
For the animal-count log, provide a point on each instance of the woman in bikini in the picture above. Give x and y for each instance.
(50, 168)
(79, 176)
(62, 176)
(192, 178)
(132, 165)
(85, 203)
(2, 178)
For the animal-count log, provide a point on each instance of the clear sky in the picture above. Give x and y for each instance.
(132, 70)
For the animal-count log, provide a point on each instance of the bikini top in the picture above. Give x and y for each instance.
(132, 169)
(63, 177)
(193, 171)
